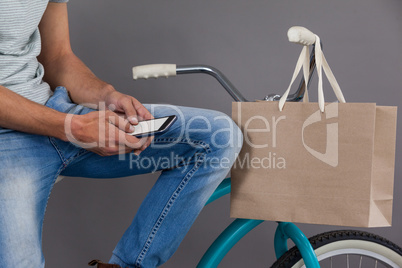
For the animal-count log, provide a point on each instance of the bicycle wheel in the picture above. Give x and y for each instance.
(347, 249)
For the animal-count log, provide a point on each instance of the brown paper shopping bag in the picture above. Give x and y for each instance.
(319, 163)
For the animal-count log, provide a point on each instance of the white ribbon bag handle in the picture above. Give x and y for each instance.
(305, 37)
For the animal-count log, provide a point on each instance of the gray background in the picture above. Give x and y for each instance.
(247, 41)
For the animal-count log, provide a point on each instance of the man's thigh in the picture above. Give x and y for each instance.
(195, 130)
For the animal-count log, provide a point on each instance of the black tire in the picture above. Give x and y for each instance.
(347, 244)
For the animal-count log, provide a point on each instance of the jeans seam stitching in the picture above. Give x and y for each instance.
(169, 205)
(63, 159)
(71, 159)
(66, 161)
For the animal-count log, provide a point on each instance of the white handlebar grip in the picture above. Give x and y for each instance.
(154, 71)
(301, 35)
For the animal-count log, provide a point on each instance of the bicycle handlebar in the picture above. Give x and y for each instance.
(296, 34)
(167, 70)
(154, 71)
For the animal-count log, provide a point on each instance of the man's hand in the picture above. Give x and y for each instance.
(127, 105)
(131, 109)
(103, 132)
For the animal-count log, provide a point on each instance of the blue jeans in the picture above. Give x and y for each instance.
(194, 155)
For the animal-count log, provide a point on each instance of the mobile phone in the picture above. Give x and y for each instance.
(153, 126)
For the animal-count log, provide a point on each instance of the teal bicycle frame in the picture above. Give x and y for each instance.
(240, 227)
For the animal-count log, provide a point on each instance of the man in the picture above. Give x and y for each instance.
(37, 125)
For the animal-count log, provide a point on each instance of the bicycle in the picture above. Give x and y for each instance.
(330, 248)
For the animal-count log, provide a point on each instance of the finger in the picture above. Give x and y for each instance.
(143, 147)
(114, 150)
(147, 143)
(130, 140)
(117, 133)
(130, 110)
(137, 152)
(119, 122)
(140, 150)
(142, 112)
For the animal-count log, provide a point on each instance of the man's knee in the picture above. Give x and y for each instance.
(219, 131)
(225, 134)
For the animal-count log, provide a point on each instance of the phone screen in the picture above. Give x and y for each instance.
(151, 126)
